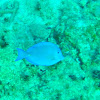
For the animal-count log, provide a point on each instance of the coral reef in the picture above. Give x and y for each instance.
(74, 25)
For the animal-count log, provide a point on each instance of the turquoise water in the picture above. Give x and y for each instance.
(74, 25)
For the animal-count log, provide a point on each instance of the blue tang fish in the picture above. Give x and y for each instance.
(43, 53)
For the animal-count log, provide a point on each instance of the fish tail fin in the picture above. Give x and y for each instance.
(21, 54)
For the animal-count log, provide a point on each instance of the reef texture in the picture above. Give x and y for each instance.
(74, 25)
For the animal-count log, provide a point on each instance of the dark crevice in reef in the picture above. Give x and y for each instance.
(3, 42)
(96, 74)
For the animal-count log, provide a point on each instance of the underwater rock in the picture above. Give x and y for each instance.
(39, 31)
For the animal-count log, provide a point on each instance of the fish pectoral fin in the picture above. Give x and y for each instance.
(51, 58)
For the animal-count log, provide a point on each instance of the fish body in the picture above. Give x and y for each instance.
(43, 53)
